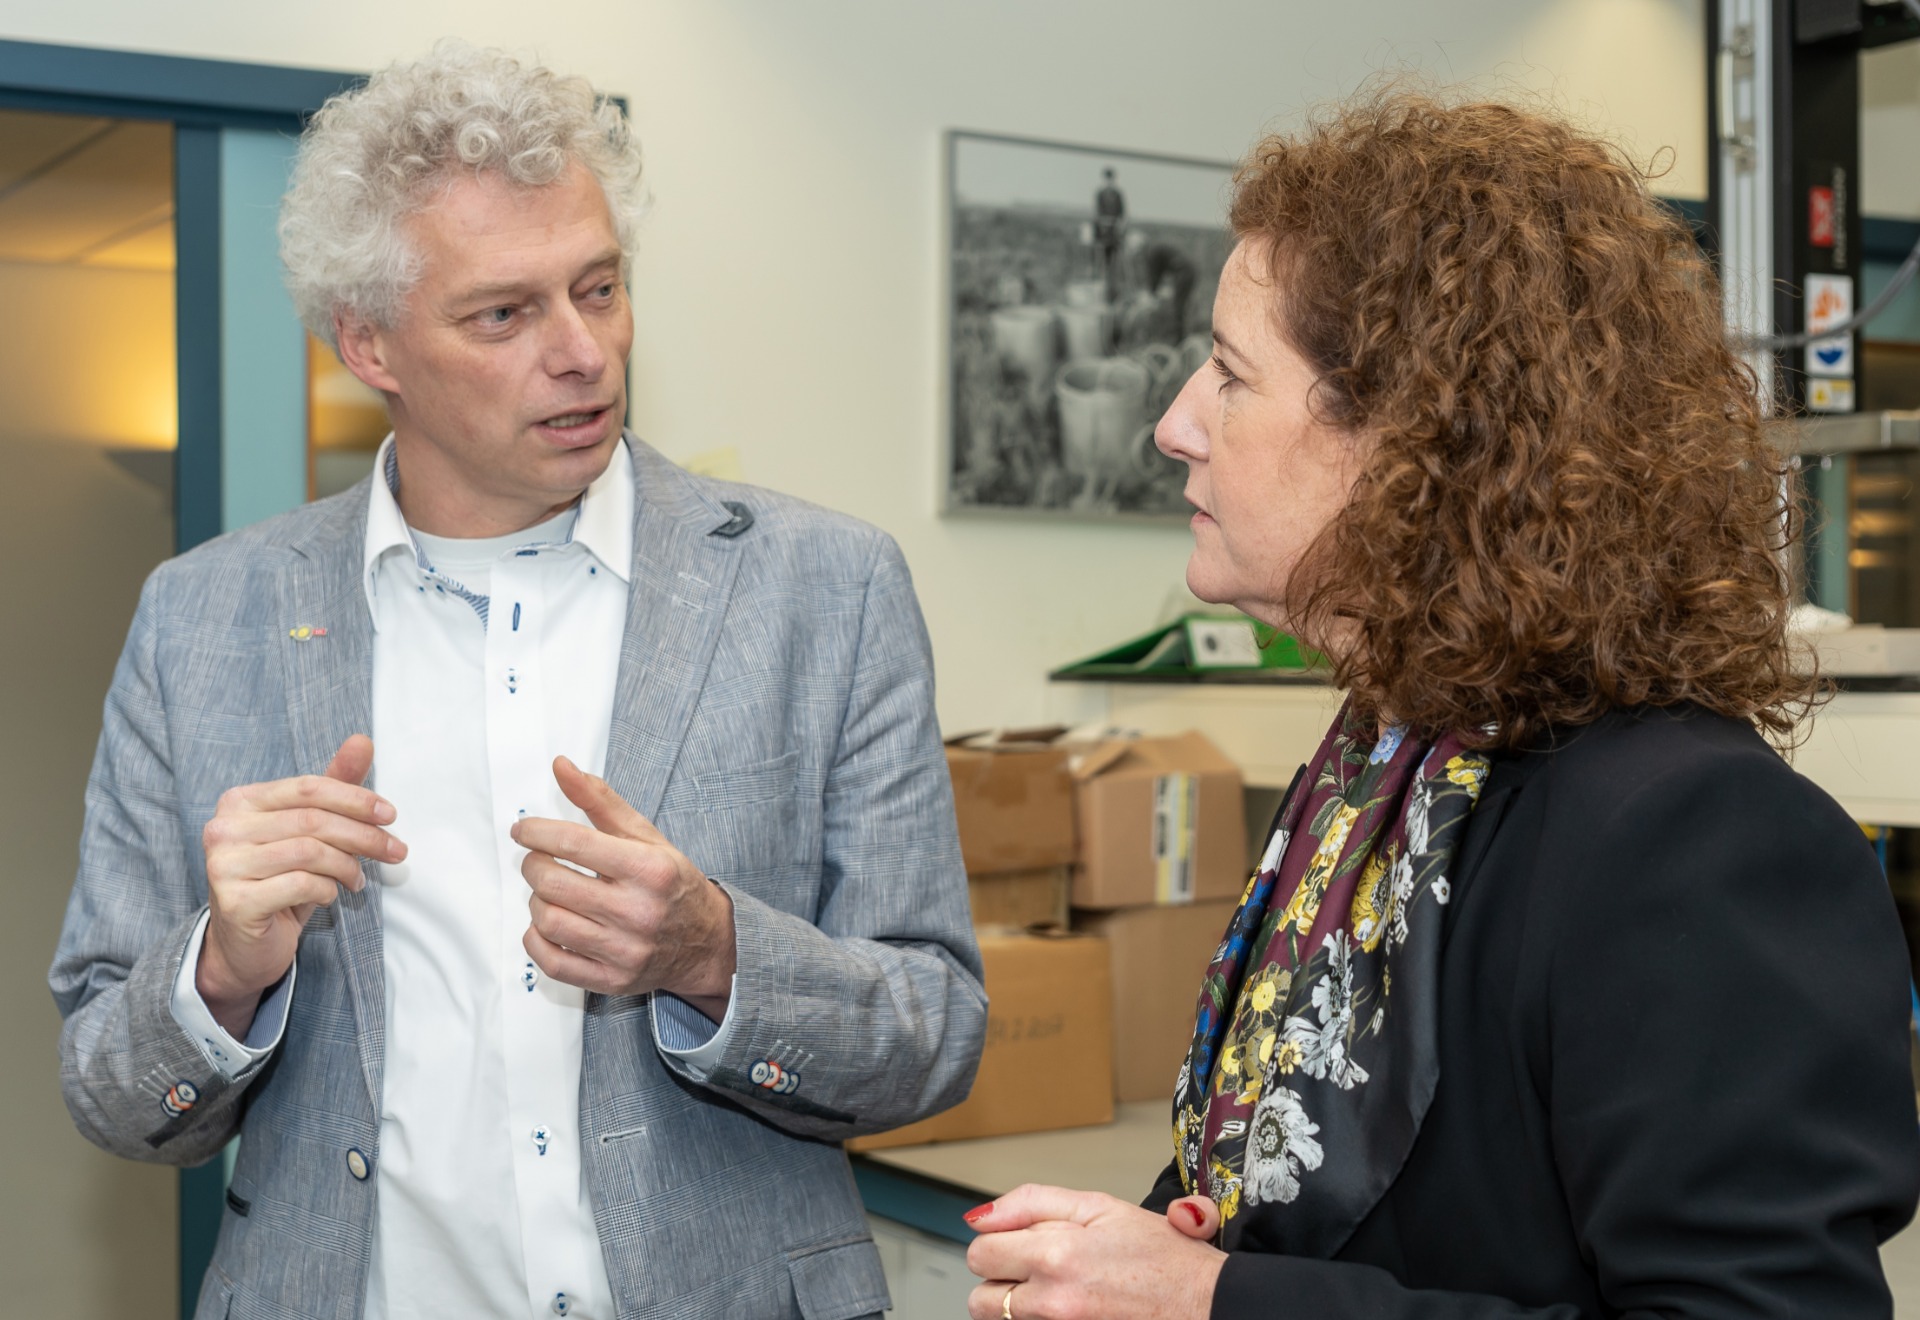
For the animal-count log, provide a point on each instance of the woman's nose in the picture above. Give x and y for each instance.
(1180, 433)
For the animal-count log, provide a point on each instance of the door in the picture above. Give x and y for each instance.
(156, 387)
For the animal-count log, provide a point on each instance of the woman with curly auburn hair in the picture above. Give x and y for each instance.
(1557, 993)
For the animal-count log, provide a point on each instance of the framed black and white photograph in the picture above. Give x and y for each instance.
(1082, 286)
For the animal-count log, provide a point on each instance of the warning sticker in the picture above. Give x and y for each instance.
(1176, 805)
(1830, 396)
(1829, 303)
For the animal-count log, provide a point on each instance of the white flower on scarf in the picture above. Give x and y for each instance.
(1418, 805)
(1323, 1045)
(1188, 1132)
(1402, 897)
(1442, 891)
(1275, 846)
(1279, 1149)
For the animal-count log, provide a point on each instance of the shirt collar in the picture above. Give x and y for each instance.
(602, 522)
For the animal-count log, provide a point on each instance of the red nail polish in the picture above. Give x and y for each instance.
(1193, 1213)
(978, 1213)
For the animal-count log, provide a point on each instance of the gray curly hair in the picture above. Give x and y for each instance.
(373, 154)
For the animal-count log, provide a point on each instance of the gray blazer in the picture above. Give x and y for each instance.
(773, 715)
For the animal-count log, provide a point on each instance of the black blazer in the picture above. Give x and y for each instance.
(1674, 1075)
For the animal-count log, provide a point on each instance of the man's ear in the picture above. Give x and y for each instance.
(363, 352)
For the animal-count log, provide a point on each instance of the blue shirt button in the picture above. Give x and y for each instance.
(562, 1303)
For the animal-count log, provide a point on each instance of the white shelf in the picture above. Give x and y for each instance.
(1863, 747)
(1121, 1158)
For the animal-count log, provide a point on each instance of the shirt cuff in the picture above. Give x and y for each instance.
(689, 1035)
(231, 1058)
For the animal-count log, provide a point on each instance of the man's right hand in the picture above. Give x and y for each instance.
(275, 851)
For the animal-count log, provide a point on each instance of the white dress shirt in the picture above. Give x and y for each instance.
(490, 658)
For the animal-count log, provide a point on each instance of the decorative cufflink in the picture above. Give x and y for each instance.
(180, 1097)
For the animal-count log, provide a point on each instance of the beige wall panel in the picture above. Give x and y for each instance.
(89, 365)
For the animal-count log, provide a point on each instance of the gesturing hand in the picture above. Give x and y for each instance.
(1070, 1254)
(645, 919)
(275, 851)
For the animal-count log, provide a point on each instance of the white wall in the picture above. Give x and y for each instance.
(789, 290)
(1890, 131)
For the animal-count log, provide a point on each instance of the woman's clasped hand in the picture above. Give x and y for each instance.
(1048, 1253)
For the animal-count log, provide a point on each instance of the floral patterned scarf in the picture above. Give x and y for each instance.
(1314, 1051)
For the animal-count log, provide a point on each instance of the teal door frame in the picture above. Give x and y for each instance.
(240, 350)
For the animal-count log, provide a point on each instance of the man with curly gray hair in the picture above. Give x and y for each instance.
(543, 857)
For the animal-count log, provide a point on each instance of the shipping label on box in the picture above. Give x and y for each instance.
(1175, 811)
(1160, 820)
(1048, 1060)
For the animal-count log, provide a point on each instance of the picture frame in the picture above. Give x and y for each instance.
(1079, 300)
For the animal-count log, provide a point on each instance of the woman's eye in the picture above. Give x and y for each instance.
(1224, 372)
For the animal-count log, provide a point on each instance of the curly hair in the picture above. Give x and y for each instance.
(1570, 504)
(372, 154)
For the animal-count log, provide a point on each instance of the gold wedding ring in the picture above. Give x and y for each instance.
(1006, 1302)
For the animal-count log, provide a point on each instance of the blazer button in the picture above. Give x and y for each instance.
(357, 1164)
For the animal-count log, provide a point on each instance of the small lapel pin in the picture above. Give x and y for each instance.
(305, 631)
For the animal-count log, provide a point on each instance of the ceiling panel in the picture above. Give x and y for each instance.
(114, 186)
(148, 246)
(29, 140)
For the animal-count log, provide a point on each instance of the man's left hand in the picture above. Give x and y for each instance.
(645, 919)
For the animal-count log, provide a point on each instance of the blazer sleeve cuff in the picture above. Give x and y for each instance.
(687, 1034)
(233, 1059)
(755, 1054)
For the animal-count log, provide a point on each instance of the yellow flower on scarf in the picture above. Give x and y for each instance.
(1225, 1188)
(1372, 899)
(1304, 906)
(1265, 990)
(1470, 772)
(1287, 1058)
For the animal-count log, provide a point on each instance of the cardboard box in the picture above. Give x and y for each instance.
(1014, 800)
(1158, 955)
(1048, 1061)
(1161, 820)
(1020, 900)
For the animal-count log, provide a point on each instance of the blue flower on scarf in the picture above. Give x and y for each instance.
(1389, 744)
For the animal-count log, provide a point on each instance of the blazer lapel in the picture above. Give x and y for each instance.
(677, 597)
(329, 684)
